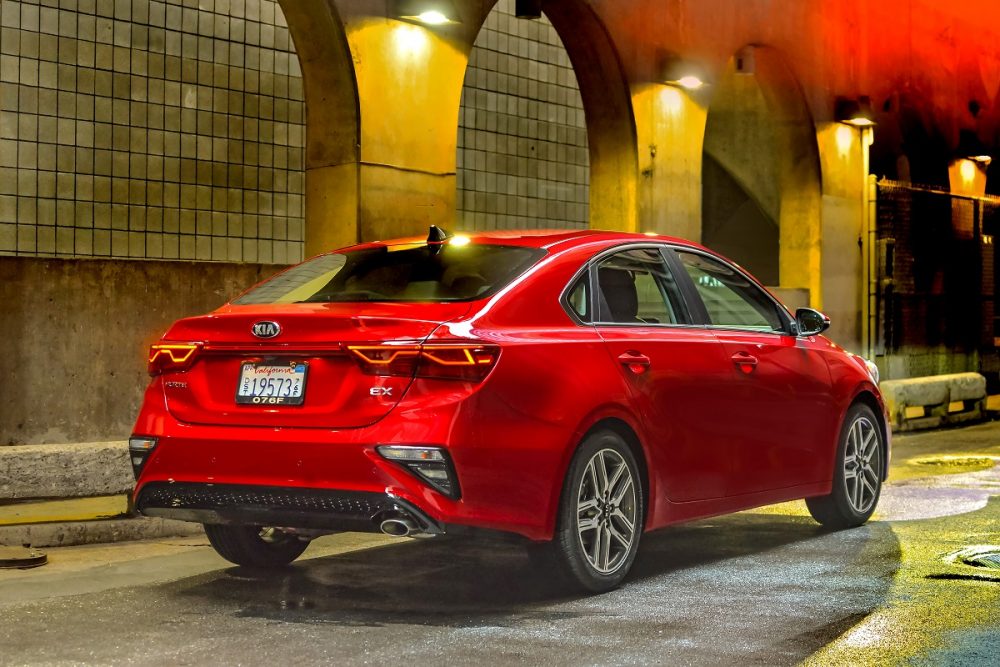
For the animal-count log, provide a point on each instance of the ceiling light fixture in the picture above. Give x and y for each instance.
(855, 112)
(427, 12)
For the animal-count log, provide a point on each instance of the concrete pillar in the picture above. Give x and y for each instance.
(670, 123)
(843, 157)
(332, 125)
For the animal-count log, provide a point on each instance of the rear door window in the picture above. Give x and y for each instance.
(636, 287)
(398, 273)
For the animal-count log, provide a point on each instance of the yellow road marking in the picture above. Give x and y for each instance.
(73, 509)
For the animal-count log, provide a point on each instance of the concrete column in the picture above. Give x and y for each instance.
(332, 125)
(671, 132)
(842, 155)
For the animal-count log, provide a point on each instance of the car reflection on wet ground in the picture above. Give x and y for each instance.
(762, 586)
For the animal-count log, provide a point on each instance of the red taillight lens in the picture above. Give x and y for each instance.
(471, 363)
(458, 362)
(386, 359)
(164, 357)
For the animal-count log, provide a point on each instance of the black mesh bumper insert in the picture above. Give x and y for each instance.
(266, 505)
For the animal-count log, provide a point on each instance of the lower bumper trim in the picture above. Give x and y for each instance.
(287, 507)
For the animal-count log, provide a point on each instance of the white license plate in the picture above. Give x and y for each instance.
(272, 384)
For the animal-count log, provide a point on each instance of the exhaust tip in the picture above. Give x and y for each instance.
(399, 527)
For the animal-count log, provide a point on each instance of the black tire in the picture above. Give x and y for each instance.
(844, 508)
(248, 546)
(567, 553)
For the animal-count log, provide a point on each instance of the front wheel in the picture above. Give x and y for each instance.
(254, 546)
(857, 478)
(600, 516)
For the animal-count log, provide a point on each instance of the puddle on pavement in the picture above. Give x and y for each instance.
(945, 464)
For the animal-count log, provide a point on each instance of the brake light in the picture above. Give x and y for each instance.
(471, 363)
(165, 357)
(449, 361)
(398, 360)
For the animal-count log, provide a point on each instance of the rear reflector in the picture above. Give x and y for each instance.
(448, 361)
(429, 464)
(171, 357)
(139, 449)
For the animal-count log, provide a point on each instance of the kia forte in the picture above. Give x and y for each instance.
(576, 389)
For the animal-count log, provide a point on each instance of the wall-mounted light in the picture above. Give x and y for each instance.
(428, 12)
(528, 9)
(856, 112)
(970, 147)
(684, 74)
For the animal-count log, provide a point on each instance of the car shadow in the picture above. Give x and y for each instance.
(491, 583)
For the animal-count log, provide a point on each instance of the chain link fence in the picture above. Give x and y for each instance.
(934, 282)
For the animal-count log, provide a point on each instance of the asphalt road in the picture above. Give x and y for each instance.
(760, 587)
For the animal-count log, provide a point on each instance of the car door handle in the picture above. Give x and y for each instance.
(636, 362)
(745, 361)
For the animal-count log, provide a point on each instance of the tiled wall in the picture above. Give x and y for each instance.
(175, 129)
(146, 129)
(522, 140)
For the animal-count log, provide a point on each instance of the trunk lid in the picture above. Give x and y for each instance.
(336, 392)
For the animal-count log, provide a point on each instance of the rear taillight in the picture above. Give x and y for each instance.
(164, 357)
(447, 361)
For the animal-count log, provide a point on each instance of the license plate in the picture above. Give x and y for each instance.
(271, 384)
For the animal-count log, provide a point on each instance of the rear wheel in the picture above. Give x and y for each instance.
(254, 546)
(600, 516)
(857, 479)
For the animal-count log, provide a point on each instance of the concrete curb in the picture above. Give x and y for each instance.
(932, 399)
(82, 470)
(94, 532)
(65, 471)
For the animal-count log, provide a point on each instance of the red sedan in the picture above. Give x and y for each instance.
(574, 388)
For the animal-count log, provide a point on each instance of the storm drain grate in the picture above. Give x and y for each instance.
(986, 556)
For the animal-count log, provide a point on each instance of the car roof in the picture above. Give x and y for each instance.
(549, 238)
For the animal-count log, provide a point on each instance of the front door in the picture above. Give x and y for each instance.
(779, 387)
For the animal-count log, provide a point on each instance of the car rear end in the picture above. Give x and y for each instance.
(326, 398)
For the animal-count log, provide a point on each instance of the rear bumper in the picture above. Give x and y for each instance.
(286, 507)
(506, 468)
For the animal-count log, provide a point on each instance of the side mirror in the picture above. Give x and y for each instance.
(811, 322)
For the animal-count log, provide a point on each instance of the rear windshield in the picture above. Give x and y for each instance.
(398, 273)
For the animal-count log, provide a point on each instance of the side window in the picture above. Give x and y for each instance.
(636, 288)
(731, 300)
(579, 297)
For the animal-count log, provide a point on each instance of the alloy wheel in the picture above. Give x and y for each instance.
(862, 465)
(606, 511)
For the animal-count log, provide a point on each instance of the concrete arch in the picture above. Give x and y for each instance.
(382, 102)
(333, 124)
(761, 180)
(607, 105)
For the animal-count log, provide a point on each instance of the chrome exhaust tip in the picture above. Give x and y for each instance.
(399, 527)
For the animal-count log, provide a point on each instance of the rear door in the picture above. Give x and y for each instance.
(777, 392)
(673, 370)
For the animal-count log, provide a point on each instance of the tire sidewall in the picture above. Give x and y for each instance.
(567, 538)
(840, 492)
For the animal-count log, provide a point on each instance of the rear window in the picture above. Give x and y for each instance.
(398, 273)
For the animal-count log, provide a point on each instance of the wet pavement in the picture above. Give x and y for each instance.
(761, 587)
